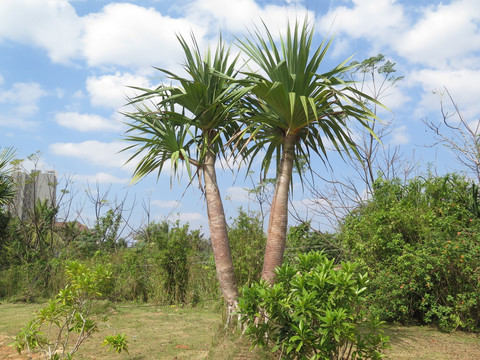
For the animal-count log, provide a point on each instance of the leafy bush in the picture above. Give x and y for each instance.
(313, 311)
(34, 281)
(247, 241)
(60, 328)
(133, 272)
(303, 239)
(419, 241)
(174, 244)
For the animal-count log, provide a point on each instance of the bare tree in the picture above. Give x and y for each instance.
(330, 203)
(459, 136)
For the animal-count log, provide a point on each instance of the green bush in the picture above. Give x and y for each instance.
(133, 272)
(34, 281)
(420, 243)
(59, 329)
(302, 239)
(173, 247)
(313, 311)
(247, 241)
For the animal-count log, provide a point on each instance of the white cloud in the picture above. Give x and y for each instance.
(78, 94)
(112, 90)
(121, 34)
(474, 126)
(23, 97)
(237, 194)
(100, 178)
(14, 122)
(129, 35)
(187, 217)
(240, 16)
(35, 162)
(96, 153)
(380, 20)
(166, 204)
(309, 208)
(49, 24)
(443, 33)
(86, 122)
(400, 136)
(394, 99)
(463, 85)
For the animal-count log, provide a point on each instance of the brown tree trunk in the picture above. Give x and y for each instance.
(277, 224)
(219, 235)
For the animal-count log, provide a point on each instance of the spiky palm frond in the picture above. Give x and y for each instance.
(194, 115)
(7, 186)
(292, 96)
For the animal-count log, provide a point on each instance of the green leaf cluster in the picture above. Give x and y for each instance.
(173, 246)
(419, 241)
(315, 310)
(247, 241)
(59, 329)
(7, 188)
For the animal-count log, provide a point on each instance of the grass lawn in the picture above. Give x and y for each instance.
(162, 332)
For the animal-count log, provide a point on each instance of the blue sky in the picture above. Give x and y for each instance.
(65, 67)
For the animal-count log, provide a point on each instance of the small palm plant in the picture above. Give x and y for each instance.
(62, 327)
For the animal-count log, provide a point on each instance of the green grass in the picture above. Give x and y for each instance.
(164, 332)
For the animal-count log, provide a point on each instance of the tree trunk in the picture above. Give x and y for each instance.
(277, 224)
(219, 235)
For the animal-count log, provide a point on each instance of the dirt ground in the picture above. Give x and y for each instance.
(8, 352)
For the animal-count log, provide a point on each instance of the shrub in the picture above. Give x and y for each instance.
(313, 311)
(60, 328)
(247, 241)
(303, 239)
(133, 270)
(419, 242)
(174, 245)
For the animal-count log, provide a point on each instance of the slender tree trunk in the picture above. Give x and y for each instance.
(277, 224)
(219, 235)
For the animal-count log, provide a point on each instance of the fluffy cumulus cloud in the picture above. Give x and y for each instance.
(375, 20)
(100, 178)
(120, 34)
(237, 194)
(112, 90)
(436, 35)
(187, 217)
(87, 122)
(437, 44)
(19, 104)
(238, 16)
(49, 24)
(172, 204)
(13, 122)
(149, 39)
(463, 85)
(23, 97)
(400, 136)
(443, 35)
(95, 153)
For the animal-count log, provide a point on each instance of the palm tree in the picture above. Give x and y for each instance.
(192, 122)
(293, 112)
(7, 187)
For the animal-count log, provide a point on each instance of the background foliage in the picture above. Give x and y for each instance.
(419, 240)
